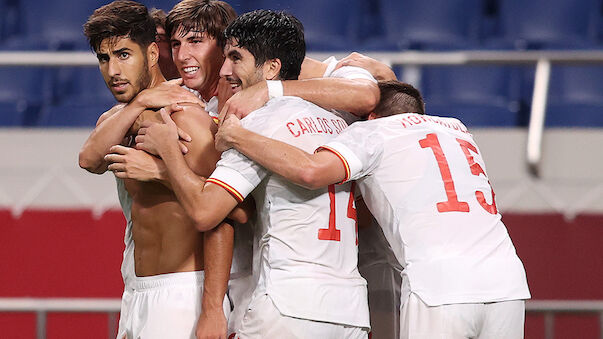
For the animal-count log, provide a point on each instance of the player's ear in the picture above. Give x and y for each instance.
(272, 69)
(153, 54)
(372, 116)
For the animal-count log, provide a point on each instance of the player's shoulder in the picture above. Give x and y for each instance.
(192, 114)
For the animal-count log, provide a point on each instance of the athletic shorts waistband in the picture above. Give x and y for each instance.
(168, 279)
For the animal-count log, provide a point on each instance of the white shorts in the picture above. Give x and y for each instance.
(496, 320)
(167, 306)
(263, 320)
(124, 312)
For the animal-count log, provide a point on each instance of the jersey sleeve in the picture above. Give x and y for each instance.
(352, 72)
(236, 173)
(359, 149)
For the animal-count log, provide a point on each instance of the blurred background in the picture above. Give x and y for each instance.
(526, 77)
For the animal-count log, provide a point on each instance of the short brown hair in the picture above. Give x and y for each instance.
(210, 16)
(398, 97)
(158, 16)
(121, 18)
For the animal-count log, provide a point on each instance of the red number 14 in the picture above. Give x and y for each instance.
(452, 204)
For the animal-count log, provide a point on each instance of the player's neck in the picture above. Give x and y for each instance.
(156, 77)
(312, 69)
(210, 90)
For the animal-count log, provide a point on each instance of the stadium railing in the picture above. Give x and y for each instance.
(412, 62)
(43, 306)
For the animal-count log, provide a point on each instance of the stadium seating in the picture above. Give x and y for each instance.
(418, 24)
(477, 95)
(56, 24)
(23, 90)
(538, 24)
(575, 97)
(80, 97)
(328, 25)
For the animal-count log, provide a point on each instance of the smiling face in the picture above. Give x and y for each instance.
(198, 59)
(124, 67)
(239, 67)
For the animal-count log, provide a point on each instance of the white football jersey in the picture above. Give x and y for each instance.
(127, 265)
(424, 180)
(346, 72)
(308, 240)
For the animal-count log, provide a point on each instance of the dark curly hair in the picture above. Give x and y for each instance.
(271, 35)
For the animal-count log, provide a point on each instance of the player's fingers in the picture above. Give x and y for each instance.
(121, 175)
(177, 81)
(142, 131)
(183, 148)
(139, 139)
(183, 135)
(173, 108)
(341, 63)
(119, 149)
(114, 158)
(166, 117)
(117, 167)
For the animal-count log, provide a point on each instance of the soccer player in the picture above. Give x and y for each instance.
(424, 180)
(309, 285)
(166, 63)
(164, 298)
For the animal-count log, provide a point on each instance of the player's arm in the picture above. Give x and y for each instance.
(311, 171)
(218, 246)
(357, 96)
(115, 124)
(111, 128)
(218, 242)
(378, 70)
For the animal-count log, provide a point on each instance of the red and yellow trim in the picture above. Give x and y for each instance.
(216, 120)
(346, 166)
(238, 196)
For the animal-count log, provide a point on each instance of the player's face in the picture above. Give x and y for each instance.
(166, 64)
(198, 59)
(124, 67)
(239, 67)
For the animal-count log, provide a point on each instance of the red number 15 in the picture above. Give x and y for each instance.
(452, 204)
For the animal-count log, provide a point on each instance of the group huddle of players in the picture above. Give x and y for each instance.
(243, 186)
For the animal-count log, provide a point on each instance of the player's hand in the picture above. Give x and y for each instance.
(155, 138)
(229, 129)
(378, 70)
(212, 325)
(165, 94)
(155, 116)
(130, 163)
(246, 101)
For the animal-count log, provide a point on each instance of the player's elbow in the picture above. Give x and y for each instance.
(369, 98)
(310, 177)
(204, 221)
(90, 163)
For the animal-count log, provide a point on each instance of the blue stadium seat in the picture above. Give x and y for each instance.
(477, 95)
(57, 24)
(11, 115)
(419, 24)
(328, 25)
(539, 24)
(26, 89)
(9, 18)
(81, 84)
(575, 97)
(81, 96)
